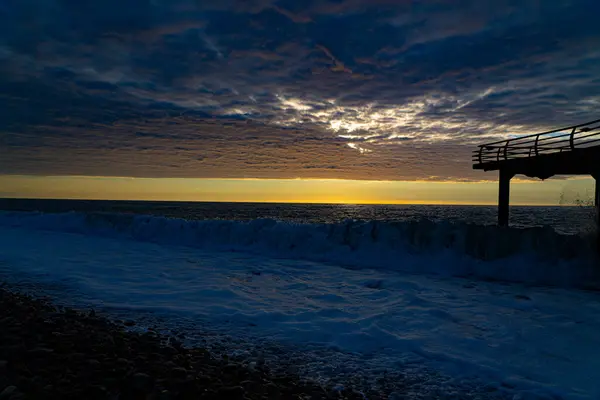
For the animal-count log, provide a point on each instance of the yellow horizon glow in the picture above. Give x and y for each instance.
(316, 191)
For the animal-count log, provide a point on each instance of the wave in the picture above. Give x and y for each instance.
(530, 255)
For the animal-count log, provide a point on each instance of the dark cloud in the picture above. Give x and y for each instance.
(376, 89)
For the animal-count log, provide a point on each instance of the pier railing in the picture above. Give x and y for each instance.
(555, 141)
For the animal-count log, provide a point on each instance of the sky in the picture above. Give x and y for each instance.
(273, 100)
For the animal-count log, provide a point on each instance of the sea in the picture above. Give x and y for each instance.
(564, 219)
(433, 301)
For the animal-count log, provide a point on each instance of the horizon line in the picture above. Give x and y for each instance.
(400, 203)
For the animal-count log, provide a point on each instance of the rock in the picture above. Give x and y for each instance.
(48, 389)
(170, 351)
(123, 361)
(176, 344)
(76, 354)
(231, 369)
(179, 372)
(12, 350)
(141, 381)
(8, 392)
(251, 385)
(205, 380)
(76, 357)
(96, 392)
(93, 362)
(231, 393)
(272, 388)
(187, 386)
(23, 381)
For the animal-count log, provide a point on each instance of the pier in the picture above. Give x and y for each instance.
(574, 150)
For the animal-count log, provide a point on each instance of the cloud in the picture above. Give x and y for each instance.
(352, 89)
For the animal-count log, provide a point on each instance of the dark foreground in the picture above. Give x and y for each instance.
(54, 353)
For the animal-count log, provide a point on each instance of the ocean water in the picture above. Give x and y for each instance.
(563, 219)
(438, 297)
(544, 245)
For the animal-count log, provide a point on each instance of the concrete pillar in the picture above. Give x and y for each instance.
(504, 197)
(597, 195)
(597, 205)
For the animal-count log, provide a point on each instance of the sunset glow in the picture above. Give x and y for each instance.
(552, 192)
(287, 93)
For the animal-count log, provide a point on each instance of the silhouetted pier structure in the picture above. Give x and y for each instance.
(574, 150)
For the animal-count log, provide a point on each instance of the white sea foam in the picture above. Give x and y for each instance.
(482, 340)
(532, 255)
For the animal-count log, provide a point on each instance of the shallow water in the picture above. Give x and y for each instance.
(435, 297)
(563, 219)
(534, 340)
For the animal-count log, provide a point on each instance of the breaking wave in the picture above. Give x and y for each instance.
(530, 255)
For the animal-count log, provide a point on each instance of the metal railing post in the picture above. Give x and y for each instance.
(552, 141)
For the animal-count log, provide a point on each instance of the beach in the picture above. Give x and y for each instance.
(50, 352)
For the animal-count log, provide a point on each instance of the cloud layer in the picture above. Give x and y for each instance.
(357, 89)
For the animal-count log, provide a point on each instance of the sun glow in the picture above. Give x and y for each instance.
(287, 190)
(382, 124)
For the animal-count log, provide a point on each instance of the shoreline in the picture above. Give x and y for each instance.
(49, 351)
(58, 349)
(54, 351)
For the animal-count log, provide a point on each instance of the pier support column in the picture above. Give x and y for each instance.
(504, 197)
(597, 205)
(597, 193)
